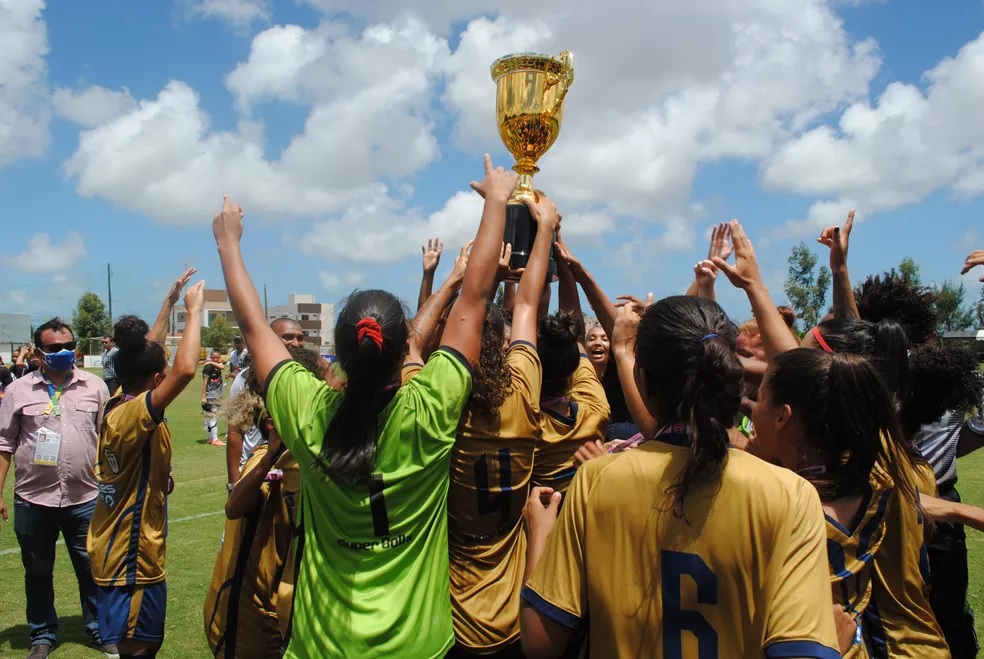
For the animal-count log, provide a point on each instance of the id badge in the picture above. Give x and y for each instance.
(47, 447)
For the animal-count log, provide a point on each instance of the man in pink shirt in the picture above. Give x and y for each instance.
(49, 424)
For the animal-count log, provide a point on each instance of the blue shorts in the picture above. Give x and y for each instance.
(132, 612)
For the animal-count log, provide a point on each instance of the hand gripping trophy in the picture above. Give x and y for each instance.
(530, 91)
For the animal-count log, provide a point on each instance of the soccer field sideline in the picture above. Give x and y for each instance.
(196, 510)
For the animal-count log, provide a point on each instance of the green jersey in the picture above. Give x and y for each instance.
(373, 576)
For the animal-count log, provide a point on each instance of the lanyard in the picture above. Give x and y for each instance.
(54, 396)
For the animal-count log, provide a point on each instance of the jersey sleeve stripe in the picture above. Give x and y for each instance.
(864, 540)
(413, 365)
(150, 410)
(521, 343)
(273, 373)
(801, 649)
(584, 356)
(460, 357)
(555, 613)
(835, 555)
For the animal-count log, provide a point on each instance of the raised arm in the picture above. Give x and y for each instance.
(267, 348)
(463, 330)
(425, 323)
(186, 359)
(837, 240)
(623, 347)
(603, 307)
(568, 298)
(776, 335)
(527, 307)
(158, 332)
(432, 258)
(705, 272)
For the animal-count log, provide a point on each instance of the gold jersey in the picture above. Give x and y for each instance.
(128, 531)
(737, 575)
(241, 606)
(564, 434)
(490, 481)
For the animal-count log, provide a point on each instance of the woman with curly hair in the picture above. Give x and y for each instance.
(491, 465)
(243, 603)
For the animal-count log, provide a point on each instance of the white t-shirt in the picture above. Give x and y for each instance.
(251, 437)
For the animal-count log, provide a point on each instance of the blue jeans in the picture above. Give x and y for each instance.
(37, 529)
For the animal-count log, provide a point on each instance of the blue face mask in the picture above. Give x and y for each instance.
(61, 361)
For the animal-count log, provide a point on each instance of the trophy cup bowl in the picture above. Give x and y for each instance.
(529, 108)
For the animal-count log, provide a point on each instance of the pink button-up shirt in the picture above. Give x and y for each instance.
(22, 414)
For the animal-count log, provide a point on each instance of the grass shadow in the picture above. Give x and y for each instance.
(71, 632)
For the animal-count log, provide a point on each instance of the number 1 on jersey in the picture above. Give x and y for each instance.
(377, 504)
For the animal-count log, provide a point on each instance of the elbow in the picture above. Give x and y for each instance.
(232, 510)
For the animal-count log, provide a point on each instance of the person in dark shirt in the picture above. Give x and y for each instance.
(211, 394)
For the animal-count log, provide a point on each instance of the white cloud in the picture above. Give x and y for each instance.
(24, 114)
(896, 151)
(335, 283)
(93, 105)
(688, 84)
(43, 255)
(240, 13)
(366, 125)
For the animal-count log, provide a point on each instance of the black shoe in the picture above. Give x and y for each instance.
(108, 650)
(39, 651)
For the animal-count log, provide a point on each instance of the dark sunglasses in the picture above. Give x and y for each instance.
(52, 348)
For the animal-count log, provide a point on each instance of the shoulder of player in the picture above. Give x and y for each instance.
(755, 471)
(522, 351)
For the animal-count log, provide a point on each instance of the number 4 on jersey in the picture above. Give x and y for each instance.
(490, 500)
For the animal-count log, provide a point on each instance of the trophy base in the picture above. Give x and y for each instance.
(521, 233)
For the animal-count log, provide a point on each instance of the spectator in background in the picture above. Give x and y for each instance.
(237, 357)
(5, 377)
(242, 441)
(25, 362)
(49, 423)
(109, 364)
(211, 394)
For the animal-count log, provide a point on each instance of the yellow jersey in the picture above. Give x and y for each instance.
(850, 554)
(241, 606)
(564, 434)
(736, 576)
(899, 619)
(490, 482)
(128, 531)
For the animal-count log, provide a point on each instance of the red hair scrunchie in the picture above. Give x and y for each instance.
(368, 327)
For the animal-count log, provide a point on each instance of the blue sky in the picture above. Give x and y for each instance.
(349, 132)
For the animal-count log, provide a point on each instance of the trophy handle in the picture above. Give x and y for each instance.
(566, 78)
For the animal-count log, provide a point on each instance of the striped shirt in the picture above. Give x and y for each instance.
(938, 444)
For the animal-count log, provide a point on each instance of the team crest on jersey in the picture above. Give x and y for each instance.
(111, 461)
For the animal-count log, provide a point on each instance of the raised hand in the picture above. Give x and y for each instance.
(544, 213)
(837, 240)
(432, 254)
(503, 271)
(564, 253)
(498, 183)
(461, 261)
(973, 260)
(627, 318)
(721, 246)
(706, 273)
(174, 294)
(227, 225)
(195, 298)
(745, 272)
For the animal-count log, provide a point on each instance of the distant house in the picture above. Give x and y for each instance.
(970, 339)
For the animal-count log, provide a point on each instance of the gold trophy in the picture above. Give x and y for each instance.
(529, 108)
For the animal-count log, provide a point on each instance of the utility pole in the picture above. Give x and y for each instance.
(266, 309)
(109, 287)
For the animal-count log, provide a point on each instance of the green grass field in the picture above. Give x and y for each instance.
(195, 528)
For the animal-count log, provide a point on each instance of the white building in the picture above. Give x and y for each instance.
(316, 319)
(216, 304)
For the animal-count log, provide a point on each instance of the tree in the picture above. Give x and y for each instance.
(953, 317)
(910, 272)
(980, 309)
(219, 334)
(806, 288)
(90, 319)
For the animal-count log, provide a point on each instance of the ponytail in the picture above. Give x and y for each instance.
(848, 419)
(884, 344)
(138, 359)
(371, 336)
(685, 354)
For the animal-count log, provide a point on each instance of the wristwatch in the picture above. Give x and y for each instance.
(229, 487)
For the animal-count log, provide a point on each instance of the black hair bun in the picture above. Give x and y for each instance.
(130, 333)
(561, 327)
